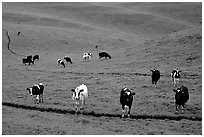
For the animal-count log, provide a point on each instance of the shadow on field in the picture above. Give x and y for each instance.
(65, 111)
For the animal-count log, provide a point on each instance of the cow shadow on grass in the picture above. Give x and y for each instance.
(94, 114)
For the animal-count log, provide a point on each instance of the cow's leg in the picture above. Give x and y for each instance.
(177, 81)
(82, 106)
(182, 109)
(76, 107)
(176, 109)
(129, 112)
(34, 98)
(42, 98)
(123, 111)
(38, 98)
(155, 84)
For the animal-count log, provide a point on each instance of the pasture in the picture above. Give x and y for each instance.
(138, 36)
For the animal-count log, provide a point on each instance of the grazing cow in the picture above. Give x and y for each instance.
(104, 54)
(155, 76)
(79, 95)
(175, 76)
(87, 56)
(61, 62)
(37, 90)
(68, 59)
(126, 98)
(181, 97)
(18, 33)
(36, 57)
(27, 60)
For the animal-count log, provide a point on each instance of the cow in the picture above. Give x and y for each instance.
(126, 99)
(181, 97)
(27, 60)
(87, 56)
(155, 76)
(36, 57)
(175, 75)
(61, 62)
(68, 59)
(79, 95)
(37, 90)
(18, 33)
(104, 55)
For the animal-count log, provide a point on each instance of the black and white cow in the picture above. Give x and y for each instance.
(36, 57)
(155, 76)
(181, 97)
(37, 90)
(68, 59)
(61, 62)
(87, 56)
(126, 99)
(79, 95)
(18, 33)
(175, 75)
(104, 55)
(28, 60)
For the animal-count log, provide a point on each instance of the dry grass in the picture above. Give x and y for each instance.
(138, 36)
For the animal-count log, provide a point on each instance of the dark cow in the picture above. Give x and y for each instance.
(37, 90)
(175, 75)
(104, 55)
(181, 97)
(27, 60)
(18, 33)
(36, 57)
(68, 59)
(155, 76)
(60, 61)
(126, 98)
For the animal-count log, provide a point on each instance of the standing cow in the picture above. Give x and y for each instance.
(68, 59)
(37, 90)
(155, 76)
(28, 59)
(181, 97)
(36, 57)
(126, 99)
(61, 62)
(104, 55)
(87, 56)
(79, 95)
(175, 75)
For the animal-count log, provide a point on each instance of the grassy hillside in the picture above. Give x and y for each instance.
(138, 36)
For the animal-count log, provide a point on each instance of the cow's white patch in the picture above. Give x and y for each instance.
(30, 89)
(37, 86)
(128, 93)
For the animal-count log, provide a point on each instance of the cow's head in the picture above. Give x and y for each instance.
(30, 91)
(77, 93)
(152, 70)
(177, 72)
(127, 94)
(91, 54)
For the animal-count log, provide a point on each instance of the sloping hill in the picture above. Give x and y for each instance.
(138, 36)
